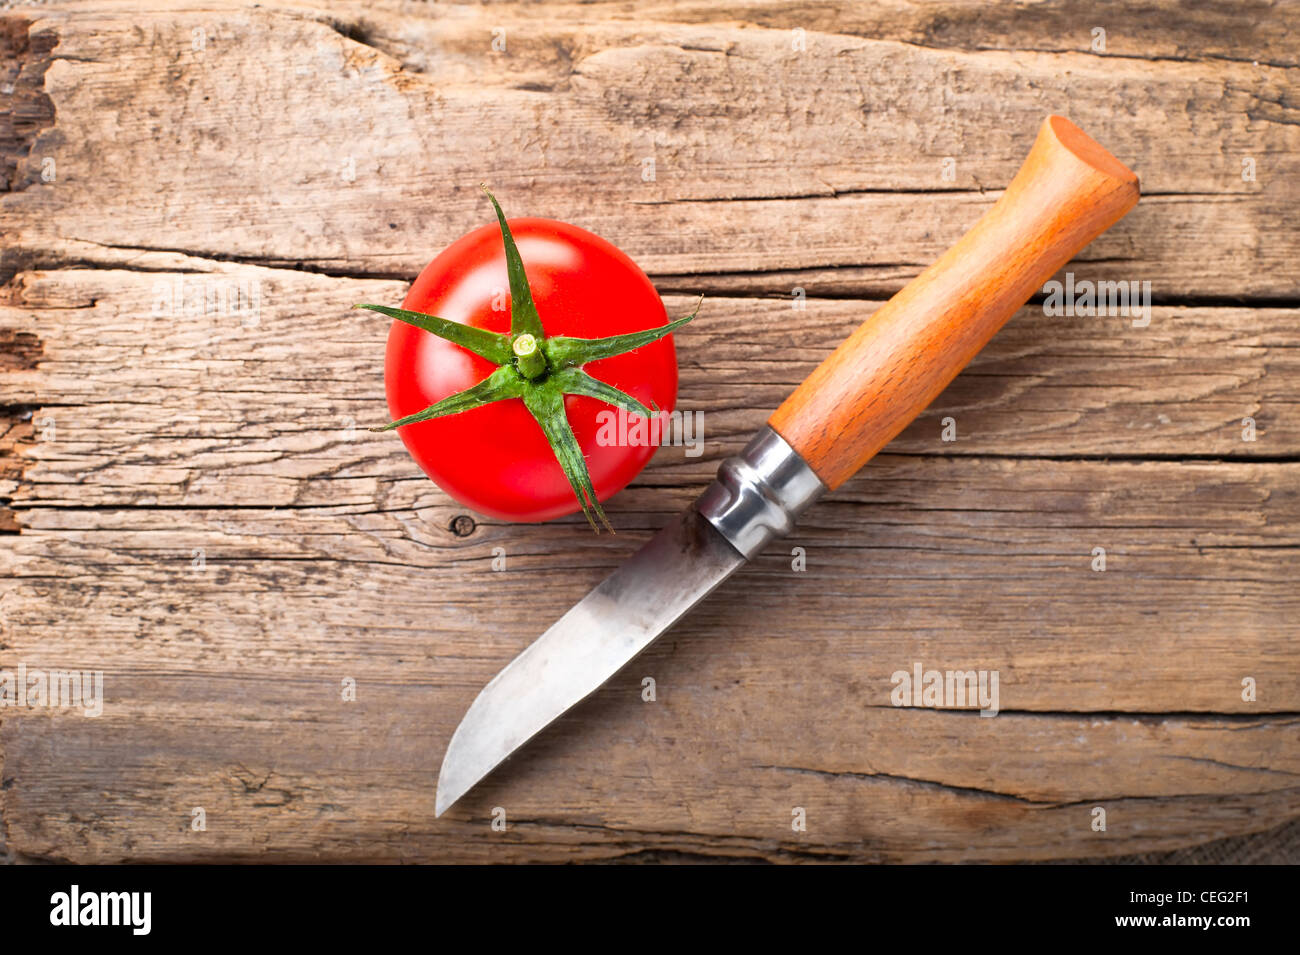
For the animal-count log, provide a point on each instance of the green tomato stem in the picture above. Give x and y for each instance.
(528, 357)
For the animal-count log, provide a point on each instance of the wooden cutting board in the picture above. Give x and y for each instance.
(190, 502)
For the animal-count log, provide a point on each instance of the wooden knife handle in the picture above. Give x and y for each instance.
(1068, 192)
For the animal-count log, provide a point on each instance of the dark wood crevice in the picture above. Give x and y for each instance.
(25, 112)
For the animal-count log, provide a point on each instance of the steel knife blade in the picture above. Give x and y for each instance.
(660, 583)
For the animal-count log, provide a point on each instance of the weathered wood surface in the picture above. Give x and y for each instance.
(240, 148)
(133, 438)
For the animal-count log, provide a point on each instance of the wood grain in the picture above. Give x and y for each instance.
(138, 428)
(755, 146)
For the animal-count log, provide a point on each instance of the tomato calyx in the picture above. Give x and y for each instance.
(536, 369)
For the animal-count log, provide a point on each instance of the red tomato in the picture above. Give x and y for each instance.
(495, 459)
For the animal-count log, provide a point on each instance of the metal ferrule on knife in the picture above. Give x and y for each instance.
(759, 494)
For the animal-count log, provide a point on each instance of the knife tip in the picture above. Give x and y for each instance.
(444, 800)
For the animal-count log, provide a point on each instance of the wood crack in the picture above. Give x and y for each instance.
(986, 793)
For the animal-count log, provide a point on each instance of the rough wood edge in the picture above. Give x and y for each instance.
(1275, 846)
(25, 111)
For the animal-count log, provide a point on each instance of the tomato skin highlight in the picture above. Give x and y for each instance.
(495, 459)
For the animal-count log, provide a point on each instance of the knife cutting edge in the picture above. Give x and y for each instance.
(1068, 191)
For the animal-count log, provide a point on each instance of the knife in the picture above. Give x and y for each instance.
(1068, 191)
